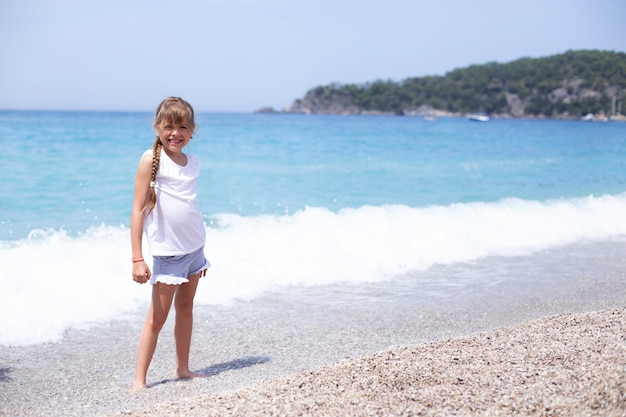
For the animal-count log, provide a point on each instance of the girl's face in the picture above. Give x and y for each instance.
(174, 137)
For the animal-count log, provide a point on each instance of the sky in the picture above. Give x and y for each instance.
(241, 55)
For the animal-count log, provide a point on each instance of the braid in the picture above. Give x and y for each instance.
(156, 159)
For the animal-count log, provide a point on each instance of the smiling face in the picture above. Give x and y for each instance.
(174, 124)
(174, 136)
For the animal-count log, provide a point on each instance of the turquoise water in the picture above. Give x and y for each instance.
(74, 171)
(293, 201)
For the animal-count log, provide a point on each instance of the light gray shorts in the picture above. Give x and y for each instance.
(175, 269)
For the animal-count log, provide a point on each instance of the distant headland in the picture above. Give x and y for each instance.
(583, 84)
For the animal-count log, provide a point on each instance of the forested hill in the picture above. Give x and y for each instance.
(571, 84)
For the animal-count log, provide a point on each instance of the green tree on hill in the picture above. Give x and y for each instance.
(573, 83)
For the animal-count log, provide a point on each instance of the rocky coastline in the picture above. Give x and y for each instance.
(429, 113)
(576, 85)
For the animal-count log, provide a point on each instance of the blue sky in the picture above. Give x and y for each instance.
(240, 55)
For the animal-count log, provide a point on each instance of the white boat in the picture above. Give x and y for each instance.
(478, 117)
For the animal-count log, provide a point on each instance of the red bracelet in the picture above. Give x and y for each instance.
(137, 260)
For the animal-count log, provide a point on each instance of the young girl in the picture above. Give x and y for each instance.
(166, 209)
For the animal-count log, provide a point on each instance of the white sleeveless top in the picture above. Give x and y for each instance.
(175, 226)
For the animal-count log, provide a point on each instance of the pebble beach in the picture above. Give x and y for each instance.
(568, 365)
(520, 347)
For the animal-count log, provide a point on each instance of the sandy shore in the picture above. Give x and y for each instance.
(542, 344)
(568, 365)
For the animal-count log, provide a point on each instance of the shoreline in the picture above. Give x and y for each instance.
(571, 364)
(432, 113)
(303, 333)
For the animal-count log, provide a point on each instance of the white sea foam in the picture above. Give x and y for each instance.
(52, 281)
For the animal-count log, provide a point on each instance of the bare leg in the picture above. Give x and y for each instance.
(162, 295)
(184, 325)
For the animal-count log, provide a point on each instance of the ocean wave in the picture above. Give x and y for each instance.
(53, 281)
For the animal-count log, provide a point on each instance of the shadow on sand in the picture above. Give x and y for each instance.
(4, 374)
(213, 370)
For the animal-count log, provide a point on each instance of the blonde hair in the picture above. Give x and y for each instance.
(173, 110)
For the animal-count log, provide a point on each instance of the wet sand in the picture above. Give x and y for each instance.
(519, 347)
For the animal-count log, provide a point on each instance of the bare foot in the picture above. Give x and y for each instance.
(189, 375)
(138, 386)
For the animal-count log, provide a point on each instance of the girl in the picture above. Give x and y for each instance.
(166, 209)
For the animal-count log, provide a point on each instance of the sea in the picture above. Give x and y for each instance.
(363, 204)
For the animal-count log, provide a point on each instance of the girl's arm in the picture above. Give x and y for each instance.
(141, 271)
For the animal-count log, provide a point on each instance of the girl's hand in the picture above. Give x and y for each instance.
(141, 272)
